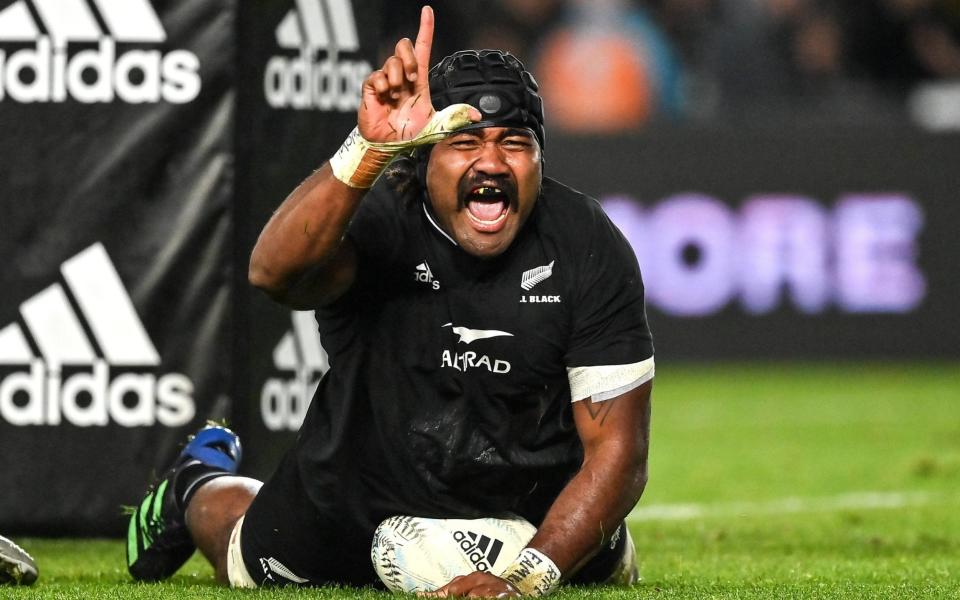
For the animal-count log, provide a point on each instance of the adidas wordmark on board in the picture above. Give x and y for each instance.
(57, 73)
(284, 401)
(305, 81)
(90, 393)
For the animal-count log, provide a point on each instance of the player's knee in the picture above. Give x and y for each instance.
(214, 511)
(223, 498)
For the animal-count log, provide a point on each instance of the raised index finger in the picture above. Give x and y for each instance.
(422, 47)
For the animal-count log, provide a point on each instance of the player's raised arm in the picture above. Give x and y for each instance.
(395, 102)
(301, 258)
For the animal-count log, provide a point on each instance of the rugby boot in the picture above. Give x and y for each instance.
(158, 542)
(16, 566)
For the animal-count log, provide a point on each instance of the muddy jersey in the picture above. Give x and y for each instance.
(448, 393)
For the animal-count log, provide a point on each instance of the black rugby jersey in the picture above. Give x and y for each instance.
(447, 394)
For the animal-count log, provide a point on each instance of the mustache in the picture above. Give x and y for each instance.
(469, 182)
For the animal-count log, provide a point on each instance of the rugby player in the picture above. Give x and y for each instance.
(488, 345)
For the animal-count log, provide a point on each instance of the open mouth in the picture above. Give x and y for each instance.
(487, 207)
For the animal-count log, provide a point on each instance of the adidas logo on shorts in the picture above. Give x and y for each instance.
(306, 81)
(284, 402)
(72, 379)
(35, 65)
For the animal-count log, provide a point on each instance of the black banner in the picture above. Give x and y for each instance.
(116, 183)
(302, 63)
(788, 243)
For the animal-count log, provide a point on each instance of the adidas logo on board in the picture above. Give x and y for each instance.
(333, 83)
(284, 402)
(89, 394)
(45, 72)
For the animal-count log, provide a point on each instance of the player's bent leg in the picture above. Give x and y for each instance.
(214, 518)
(291, 537)
(158, 541)
(237, 574)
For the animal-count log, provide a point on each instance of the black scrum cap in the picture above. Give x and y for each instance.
(494, 82)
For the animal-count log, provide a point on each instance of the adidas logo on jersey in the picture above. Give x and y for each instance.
(333, 83)
(284, 401)
(482, 550)
(423, 274)
(90, 393)
(100, 72)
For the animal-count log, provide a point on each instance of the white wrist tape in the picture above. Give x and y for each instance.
(359, 162)
(533, 573)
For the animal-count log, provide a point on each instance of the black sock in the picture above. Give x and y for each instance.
(191, 477)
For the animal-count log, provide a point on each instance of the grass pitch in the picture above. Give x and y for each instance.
(767, 481)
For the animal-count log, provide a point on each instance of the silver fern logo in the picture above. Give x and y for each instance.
(273, 566)
(534, 276)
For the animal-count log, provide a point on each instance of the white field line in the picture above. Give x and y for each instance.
(852, 501)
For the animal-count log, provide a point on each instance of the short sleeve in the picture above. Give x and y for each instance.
(375, 229)
(609, 323)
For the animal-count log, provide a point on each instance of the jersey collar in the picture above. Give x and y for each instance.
(436, 226)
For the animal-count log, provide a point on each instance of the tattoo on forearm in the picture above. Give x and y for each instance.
(600, 410)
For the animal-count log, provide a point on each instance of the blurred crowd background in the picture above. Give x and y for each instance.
(620, 65)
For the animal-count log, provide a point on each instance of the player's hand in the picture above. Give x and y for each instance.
(395, 101)
(478, 584)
